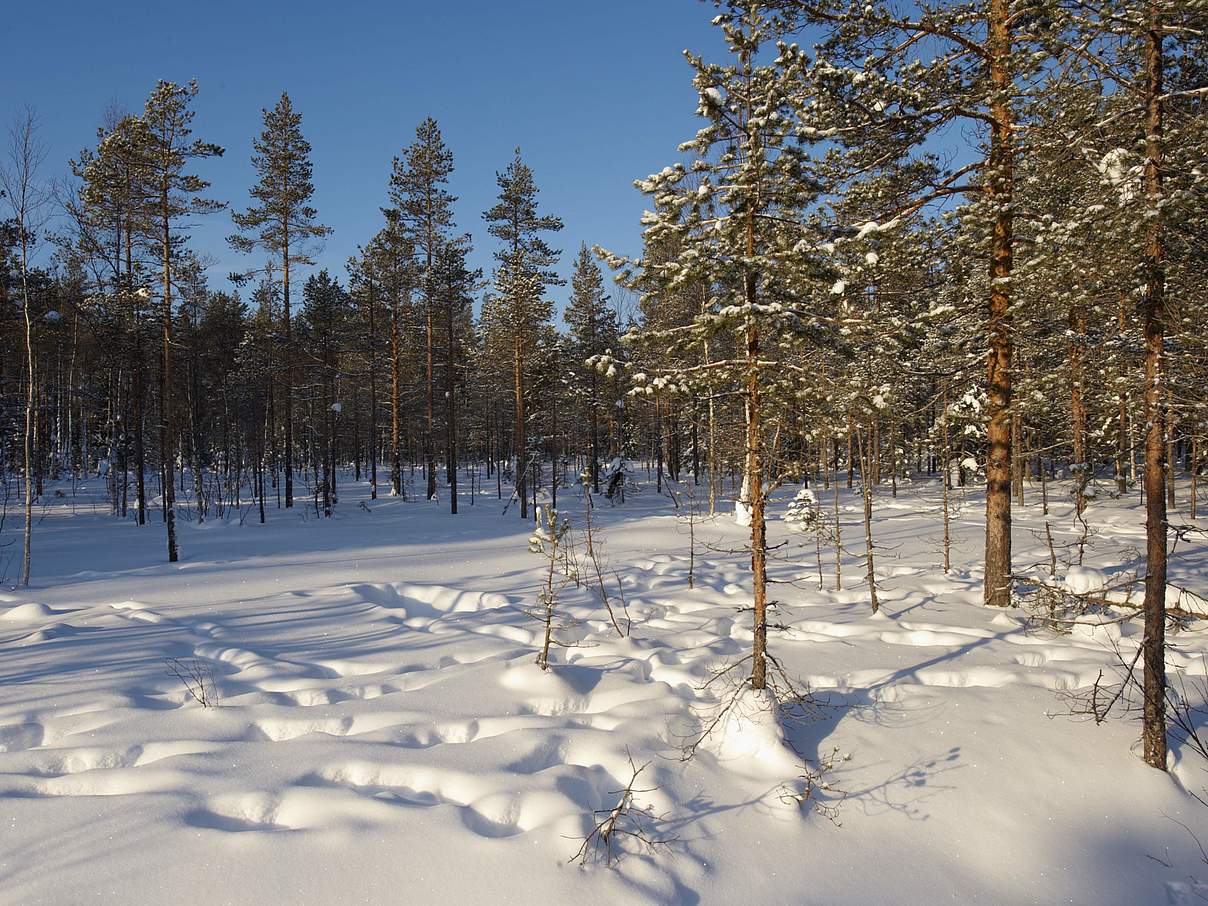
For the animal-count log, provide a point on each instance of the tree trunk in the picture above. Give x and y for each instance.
(593, 420)
(289, 379)
(1153, 643)
(1077, 322)
(521, 452)
(167, 427)
(1195, 475)
(865, 442)
(429, 441)
(945, 482)
(755, 505)
(373, 407)
(396, 473)
(450, 410)
(139, 418)
(997, 582)
(754, 479)
(28, 529)
(1123, 450)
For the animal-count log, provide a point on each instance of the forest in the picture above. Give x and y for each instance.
(918, 331)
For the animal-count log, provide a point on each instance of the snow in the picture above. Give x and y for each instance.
(742, 514)
(1083, 580)
(26, 612)
(749, 740)
(1117, 172)
(382, 733)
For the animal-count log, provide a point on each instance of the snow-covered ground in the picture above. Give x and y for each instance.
(383, 735)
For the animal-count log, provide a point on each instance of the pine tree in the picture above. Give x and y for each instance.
(366, 289)
(872, 94)
(1135, 44)
(740, 227)
(324, 315)
(454, 284)
(114, 220)
(423, 208)
(168, 117)
(594, 332)
(282, 224)
(521, 278)
(392, 253)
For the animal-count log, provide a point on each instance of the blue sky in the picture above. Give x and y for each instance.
(595, 93)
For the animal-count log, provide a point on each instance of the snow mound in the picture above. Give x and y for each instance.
(1082, 580)
(27, 612)
(749, 740)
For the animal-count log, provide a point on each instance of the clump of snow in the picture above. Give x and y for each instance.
(27, 612)
(749, 739)
(1098, 626)
(1083, 580)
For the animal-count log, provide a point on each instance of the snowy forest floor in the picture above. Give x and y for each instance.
(383, 734)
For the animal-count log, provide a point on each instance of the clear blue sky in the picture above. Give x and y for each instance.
(595, 93)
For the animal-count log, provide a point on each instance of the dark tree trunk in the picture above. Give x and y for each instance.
(450, 409)
(521, 453)
(167, 422)
(1153, 644)
(289, 379)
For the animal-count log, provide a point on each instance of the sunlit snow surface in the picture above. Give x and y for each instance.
(384, 736)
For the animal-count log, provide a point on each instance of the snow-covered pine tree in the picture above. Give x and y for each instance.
(593, 331)
(738, 226)
(883, 84)
(1137, 45)
(523, 274)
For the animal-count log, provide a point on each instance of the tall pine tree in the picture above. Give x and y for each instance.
(524, 272)
(169, 116)
(423, 207)
(283, 224)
